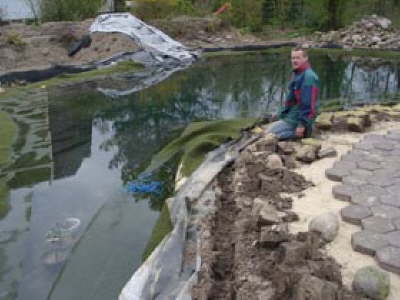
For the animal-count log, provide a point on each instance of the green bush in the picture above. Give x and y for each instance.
(158, 9)
(69, 10)
(15, 39)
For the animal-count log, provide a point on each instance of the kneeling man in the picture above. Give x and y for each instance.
(300, 107)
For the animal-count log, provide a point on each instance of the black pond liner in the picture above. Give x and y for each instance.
(39, 75)
(31, 76)
(251, 47)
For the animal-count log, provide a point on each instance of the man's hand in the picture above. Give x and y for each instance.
(300, 132)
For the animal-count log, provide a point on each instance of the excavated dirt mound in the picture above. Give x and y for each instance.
(247, 251)
(370, 32)
(27, 46)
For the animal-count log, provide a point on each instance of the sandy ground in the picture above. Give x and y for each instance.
(319, 200)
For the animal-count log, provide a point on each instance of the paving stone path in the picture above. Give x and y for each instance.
(370, 176)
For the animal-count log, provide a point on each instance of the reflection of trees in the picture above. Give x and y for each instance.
(145, 121)
(370, 80)
(221, 87)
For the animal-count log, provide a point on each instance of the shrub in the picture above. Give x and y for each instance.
(247, 14)
(14, 39)
(69, 10)
(154, 9)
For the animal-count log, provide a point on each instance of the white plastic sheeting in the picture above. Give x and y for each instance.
(162, 277)
(149, 37)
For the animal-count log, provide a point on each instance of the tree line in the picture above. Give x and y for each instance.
(250, 15)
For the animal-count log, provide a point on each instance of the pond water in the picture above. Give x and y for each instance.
(77, 149)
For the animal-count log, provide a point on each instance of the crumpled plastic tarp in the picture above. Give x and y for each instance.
(161, 276)
(149, 37)
(138, 186)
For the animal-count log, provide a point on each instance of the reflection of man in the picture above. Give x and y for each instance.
(299, 110)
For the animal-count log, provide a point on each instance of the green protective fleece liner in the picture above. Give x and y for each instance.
(197, 140)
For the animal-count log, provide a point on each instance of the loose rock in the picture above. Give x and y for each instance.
(272, 236)
(268, 215)
(355, 124)
(274, 161)
(327, 225)
(372, 282)
(307, 153)
(314, 288)
(327, 152)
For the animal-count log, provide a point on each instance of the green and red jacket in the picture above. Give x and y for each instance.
(301, 105)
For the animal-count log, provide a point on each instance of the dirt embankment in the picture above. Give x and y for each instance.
(24, 47)
(247, 250)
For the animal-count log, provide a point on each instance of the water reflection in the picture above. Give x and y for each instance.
(77, 149)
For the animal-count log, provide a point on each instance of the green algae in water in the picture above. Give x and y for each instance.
(30, 177)
(4, 205)
(8, 132)
(162, 227)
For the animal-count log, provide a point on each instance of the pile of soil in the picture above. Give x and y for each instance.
(370, 32)
(27, 47)
(207, 32)
(245, 256)
(24, 47)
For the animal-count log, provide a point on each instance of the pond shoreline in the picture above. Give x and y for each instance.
(207, 194)
(40, 52)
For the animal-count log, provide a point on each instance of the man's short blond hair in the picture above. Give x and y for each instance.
(296, 49)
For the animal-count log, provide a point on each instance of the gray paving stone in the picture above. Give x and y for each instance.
(372, 190)
(374, 138)
(365, 199)
(383, 180)
(390, 199)
(368, 165)
(395, 151)
(389, 259)
(370, 174)
(353, 180)
(395, 190)
(385, 211)
(347, 165)
(386, 145)
(393, 136)
(344, 192)
(351, 156)
(360, 173)
(368, 242)
(377, 224)
(388, 171)
(336, 174)
(394, 238)
(396, 223)
(393, 131)
(374, 157)
(355, 213)
(364, 145)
